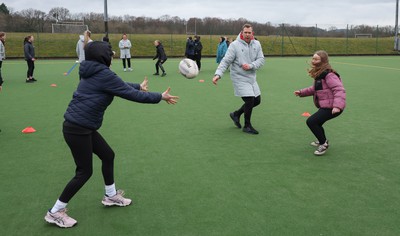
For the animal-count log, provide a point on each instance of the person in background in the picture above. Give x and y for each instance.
(161, 58)
(228, 41)
(329, 97)
(82, 120)
(198, 47)
(29, 52)
(87, 38)
(221, 49)
(2, 55)
(125, 51)
(80, 52)
(189, 52)
(245, 56)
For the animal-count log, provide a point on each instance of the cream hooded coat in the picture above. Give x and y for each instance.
(239, 53)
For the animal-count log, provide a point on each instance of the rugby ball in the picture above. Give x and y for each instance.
(188, 68)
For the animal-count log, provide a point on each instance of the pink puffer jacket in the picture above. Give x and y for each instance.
(332, 94)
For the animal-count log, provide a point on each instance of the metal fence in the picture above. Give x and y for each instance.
(279, 40)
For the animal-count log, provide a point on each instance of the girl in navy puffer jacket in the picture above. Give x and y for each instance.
(84, 117)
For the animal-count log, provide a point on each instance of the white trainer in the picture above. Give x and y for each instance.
(322, 149)
(117, 200)
(60, 218)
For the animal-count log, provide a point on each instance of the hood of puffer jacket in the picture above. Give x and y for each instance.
(99, 51)
(88, 69)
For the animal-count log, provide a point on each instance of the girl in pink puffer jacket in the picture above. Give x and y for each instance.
(329, 96)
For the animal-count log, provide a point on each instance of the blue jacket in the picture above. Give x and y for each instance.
(96, 91)
(221, 50)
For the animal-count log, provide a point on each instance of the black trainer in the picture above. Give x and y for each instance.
(34, 80)
(250, 130)
(163, 74)
(29, 81)
(235, 119)
(156, 74)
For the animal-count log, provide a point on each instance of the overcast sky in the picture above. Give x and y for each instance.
(303, 12)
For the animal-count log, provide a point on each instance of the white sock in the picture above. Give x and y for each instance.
(110, 190)
(58, 206)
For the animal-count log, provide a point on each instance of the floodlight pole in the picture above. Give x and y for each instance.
(105, 18)
(396, 28)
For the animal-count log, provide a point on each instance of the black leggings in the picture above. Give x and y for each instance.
(159, 64)
(124, 62)
(247, 108)
(316, 121)
(82, 148)
(31, 68)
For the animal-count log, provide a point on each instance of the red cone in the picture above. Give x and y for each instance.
(306, 114)
(28, 130)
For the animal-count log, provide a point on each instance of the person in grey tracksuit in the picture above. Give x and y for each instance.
(245, 57)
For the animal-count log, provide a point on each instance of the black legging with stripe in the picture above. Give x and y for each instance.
(83, 143)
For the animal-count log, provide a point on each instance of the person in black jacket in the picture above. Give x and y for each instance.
(84, 116)
(161, 58)
(197, 50)
(29, 52)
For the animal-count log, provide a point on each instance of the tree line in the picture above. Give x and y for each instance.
(33, 20)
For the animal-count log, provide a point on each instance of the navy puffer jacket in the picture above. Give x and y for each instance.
(96, 91)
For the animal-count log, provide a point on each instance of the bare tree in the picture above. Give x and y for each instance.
(59, 14)
(33, 20)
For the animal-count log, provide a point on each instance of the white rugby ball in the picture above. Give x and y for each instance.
(188, 68)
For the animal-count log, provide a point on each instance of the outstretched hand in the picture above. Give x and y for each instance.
(144, 85)
(170, 99)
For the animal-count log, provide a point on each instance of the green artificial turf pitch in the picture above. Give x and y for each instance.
(190, 171)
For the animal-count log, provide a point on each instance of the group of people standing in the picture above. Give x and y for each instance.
(193, 49)
(29, 54)
(125, 46)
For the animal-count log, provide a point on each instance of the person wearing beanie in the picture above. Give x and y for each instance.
(82, 119)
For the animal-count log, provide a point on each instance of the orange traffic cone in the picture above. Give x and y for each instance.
(28, 130)
(306, 114)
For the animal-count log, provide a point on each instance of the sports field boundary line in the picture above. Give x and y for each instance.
(369, 66)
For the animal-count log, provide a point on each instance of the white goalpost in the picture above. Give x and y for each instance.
(69, 27)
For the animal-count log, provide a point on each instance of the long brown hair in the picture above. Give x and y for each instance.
(324, 65)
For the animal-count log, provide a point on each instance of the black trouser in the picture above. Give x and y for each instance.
(247, 108)
(159, 64)
(83, 143)
(197, 58)
(316, 121)
(124, 62)
(31, 68)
